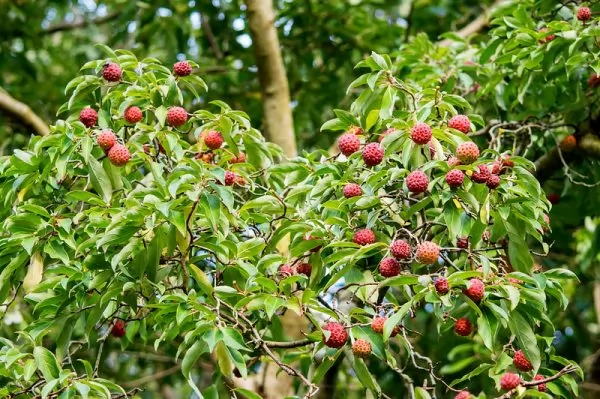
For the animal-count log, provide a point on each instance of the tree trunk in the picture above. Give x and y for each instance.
(279, 125)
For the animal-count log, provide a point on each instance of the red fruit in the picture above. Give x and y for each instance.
(352, 190)
(441, 286)
(377, 326)
(481, 174)
(364, 237)
(213, 139)
(348, 144)
(112, 72)
(361, 348)
(176, 116)
(493, 181)
(229, 178)
(475, 290)
(372, 154)
(584, 14)
(554, 198)
(510, 381)
(460, 123)
(417, 181)
(462, 242)
(182, 68)
(385, 133)
(106, 139)
(463, 327)
(337, 337)
(118, 329)
(304, 268)
(400, 249)
(455, 178)
(133, 114)
(88, 117)
(286, 270)
(389, 267)
(541, 387)
(463, 395)
(467, 152)
(495, 168)
(521, 362)
(241, 158)
(427, 253)
(507, 162)
(421, 133)
(453, 161)
(119, 155)
(355, 130)
(593, 81)
(548, 38)
(568, 143)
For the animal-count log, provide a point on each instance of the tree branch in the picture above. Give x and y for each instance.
(527, 384)
(22, 112)
(288, 344)
(474, 26)
(279, 126)
(63, 26)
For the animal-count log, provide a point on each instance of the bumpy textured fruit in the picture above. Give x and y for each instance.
(417, 181)
(521, 362)
(400, 249)
(348, 144)
(541, 387)
(453, 161)
(463, 327)
(389, 267)
(112, 72)
(463, 395)
(554, 198)
(182, 68)
(352, 190)
(133, 114)
(106, 139)
(467, 152)
(119, 155)
(385, 133)
(462, 242)
(475, 289)
(177, 116)
(118, 329)
(460, 122)
(240, 158)
(361, 348)
(584, 14)
(441, 286)
(421, 133)
(229, 178)
(481, 174)
(507, 162)
(568, 143)
(455, 178)
(510, 381)
(493, 181)
(88, 116)
(427, 253)
(213, 139)
(338, 335)
(286, 270)
(364, 237)
(495, 167)
(372, 154)
(304, 268)
(377, 326)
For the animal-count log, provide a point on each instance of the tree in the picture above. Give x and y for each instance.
(236, 289)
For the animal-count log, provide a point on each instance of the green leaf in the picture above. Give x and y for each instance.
(248, 393)
(250, 248)
(520, 327)
(365, 377)
(46, 363)
(191, 356)
(485, 331)
(99, 179)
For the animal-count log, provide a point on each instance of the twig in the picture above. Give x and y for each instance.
(80, 24)
(22, 112)
(566, 370)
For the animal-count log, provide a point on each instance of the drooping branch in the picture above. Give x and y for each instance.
(279, 126)
(22, 112)
(476, 25)
(528, 384)
(65, 26)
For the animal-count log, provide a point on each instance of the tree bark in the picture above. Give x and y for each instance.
(278, 121)
(22, 112)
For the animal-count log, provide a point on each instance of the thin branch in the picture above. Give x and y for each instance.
(153, 377)
(474, 26)
(22, 112)
(289, 344)
(63, 26)
(211, 37)
(566, 370)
